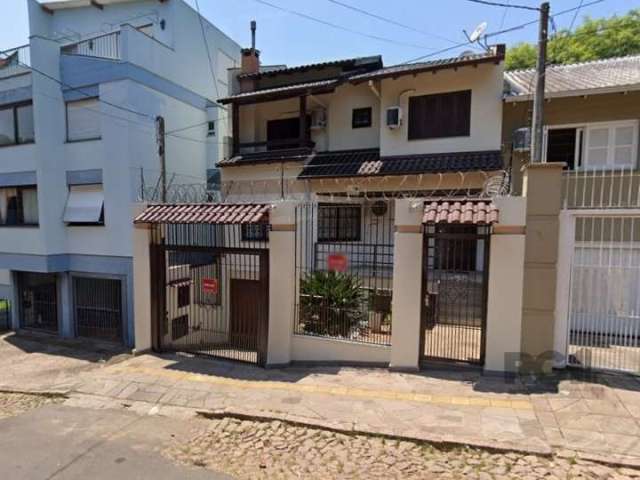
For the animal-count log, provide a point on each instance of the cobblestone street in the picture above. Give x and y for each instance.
(276, 450)
(12, 404)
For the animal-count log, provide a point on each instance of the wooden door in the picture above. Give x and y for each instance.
(246, 306)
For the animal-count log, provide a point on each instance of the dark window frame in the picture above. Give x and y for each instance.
(342, 232)
(16, 126)
(20, 206)
(440, 115)
(284, 142)
(359, 122)
(184, 295)
(254, 232)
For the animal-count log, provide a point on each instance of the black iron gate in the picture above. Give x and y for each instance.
(455, 286)
(38, 301)
(97, 304)
(210, 289)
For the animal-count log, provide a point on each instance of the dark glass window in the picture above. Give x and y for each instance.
(255, 232)
(339, 223)
(439, 116)
(285, 133)
(184, 295)
(16, 124)
(361, 117)
(18, 206)
(561, 146)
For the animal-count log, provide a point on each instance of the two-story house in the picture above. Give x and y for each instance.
(81, 108)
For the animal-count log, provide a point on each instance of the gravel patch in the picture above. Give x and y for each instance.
(276, 450)
(12, 404)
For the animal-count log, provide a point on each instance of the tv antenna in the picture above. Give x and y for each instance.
(477, 36)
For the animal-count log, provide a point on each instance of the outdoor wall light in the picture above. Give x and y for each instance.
(163, 24)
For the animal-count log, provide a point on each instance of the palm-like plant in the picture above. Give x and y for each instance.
(330, 303)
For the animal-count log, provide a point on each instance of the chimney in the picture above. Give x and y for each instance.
(251, 56)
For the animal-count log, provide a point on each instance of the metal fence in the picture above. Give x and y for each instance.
(5, 314)
(619, 188)
(210, 290)
(103, 46)
(38, 301)
(98, 308)
(15, 61)
(455, 286)
(344, 270)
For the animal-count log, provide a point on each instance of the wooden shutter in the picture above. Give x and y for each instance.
(439, 116)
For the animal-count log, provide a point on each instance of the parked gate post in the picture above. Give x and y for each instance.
(281, 283)
(406, 309)
(505, 290)
(142, 284)
(543, 193)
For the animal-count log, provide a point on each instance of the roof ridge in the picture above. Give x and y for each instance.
(577, 64)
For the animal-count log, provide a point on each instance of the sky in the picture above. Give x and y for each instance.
(287, 38)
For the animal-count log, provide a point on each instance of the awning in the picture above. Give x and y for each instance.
(206, 213)
(84, 204)
(452, 211)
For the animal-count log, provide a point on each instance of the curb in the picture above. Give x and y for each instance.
(38, 393)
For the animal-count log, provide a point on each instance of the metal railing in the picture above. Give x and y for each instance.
(601, 189)
(5, 314)
(102, 46)
(15, 61)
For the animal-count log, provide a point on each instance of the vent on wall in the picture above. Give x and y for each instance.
(522, 139)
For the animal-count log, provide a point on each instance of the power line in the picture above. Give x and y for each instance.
(504, 15)
(575, 15)
(341, 27)
(206, 46)
(506, 5)
(390, 21)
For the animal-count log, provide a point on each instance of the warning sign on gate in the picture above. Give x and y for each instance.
(210, 285)
(337, 262)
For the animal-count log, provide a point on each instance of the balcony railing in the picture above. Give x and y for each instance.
(102, 46)
(15, 61)
(601, 189)
(286, 144)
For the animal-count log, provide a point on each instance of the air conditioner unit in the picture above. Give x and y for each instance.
(318, 119)
(522, 139)
(394, 117)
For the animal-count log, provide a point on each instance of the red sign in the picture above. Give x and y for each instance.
(210, 285)
(336, 262)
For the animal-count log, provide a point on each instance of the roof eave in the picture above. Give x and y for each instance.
(575, 93)
(270, 97)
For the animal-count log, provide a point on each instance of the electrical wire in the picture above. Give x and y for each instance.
(575, 15)
(206, 46)
(505, 5)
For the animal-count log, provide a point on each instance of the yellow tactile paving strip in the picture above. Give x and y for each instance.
(475, 401)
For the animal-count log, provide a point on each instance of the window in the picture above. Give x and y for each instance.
(184, 295)
(255, 232)
(339, 223)
(440, 116)
(83, 120)
(19, 206)
(211, 128)
(85, 205)
(285, 133)
(361, 117)
(16, 124)
(595, 146)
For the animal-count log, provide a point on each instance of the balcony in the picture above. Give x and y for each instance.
(15, 61)
(102, 46)
(601, 189)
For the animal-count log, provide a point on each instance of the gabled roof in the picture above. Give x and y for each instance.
(495, 55)
(374, 61)
(209, 213)
(321, 86)
(270, 156)
(600, 76)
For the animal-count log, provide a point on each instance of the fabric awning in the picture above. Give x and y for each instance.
(206, 213)
(452, 211)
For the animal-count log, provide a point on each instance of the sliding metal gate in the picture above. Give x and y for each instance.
(455, 286)
(210, 290)
(604, 299)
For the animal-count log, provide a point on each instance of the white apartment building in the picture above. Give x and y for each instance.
(78, 146)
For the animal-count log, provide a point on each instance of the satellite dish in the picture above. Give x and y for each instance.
(477, 33)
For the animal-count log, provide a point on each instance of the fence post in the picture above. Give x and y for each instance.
(407, 300)
(543, 193)
(505, 289)
(141, 285)
(566, 245)
(281, 283)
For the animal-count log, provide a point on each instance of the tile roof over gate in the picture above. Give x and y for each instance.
(473, 212)
(578, 78)
(206, 213)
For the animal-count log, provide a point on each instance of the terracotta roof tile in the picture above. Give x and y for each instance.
(478, 212)
(209, 213)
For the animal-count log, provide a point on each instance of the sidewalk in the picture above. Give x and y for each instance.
(598, 418)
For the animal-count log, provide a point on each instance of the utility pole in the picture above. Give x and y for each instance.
(538, 98)
(161, 153)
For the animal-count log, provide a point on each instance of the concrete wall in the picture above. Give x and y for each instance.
(484, 81)
(323, 350)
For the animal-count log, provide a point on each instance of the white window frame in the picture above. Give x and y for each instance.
(581, 164)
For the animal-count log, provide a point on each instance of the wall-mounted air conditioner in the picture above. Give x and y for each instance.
(522, 139)
(318, 119)
(394, 117)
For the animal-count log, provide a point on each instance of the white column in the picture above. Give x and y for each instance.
(566, 237)
(506, 280)
(282, 277)
(407, 286)
(141, 285)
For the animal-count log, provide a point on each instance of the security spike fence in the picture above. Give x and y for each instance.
(179, 188)
(344, 270)
(617, 188)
